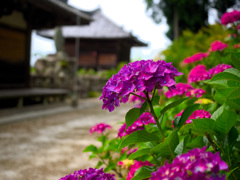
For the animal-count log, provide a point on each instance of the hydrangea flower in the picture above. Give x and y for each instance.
(144, 119)
(219, 68)
(198, 73)
(134, 98)
(99, 128)
(195, 57)
(204, 101)
(180, 90)
(195, 92)
(135, 167)
(89, 174)
(135, 77)
(130, 151)
(236, 46)
(195, 115)
(196, 164)
(230, 17)
(218, 46)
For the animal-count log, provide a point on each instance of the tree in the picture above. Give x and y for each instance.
(186, 14)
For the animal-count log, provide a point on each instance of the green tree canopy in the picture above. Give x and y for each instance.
(186, 14)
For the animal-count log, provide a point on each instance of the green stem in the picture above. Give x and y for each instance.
(211, 142)
(153, 114)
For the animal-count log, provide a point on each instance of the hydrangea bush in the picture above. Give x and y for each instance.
(180, 127)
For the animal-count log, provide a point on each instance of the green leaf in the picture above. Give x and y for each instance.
(139, 153)
(143, 172)
(99, 164)
(202, 126)
(91, 148)
(185, 115)
(173, 104)
(232, 137)
(168, 146)
(110, 166)
(224, 120)
(235, 57)
(131, 116)
(143, 107)
(137, 137)
(155, 100)
(197, 142)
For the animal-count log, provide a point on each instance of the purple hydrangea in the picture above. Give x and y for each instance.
(99, 128)
(89, 174)
(230, 17)
(144, 119)
(198, 73)
(219, 68)
(195, 57)
(135, 77)
(196, 164)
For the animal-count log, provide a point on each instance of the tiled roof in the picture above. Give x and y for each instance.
(100, 28)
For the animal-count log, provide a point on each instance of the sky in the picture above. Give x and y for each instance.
(129, 14)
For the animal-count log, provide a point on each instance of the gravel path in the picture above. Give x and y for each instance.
(49, 147)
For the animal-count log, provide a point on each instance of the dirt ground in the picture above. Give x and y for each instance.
(50, 147)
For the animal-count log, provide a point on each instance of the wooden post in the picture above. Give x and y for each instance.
(75, 76)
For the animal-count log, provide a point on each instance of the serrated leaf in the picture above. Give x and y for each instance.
(168, 146)
(143, 172)
(137, 137)
(131, 116)
(173, 104)
(202, 126)
(235, 57)
(139, 153)
(143, 107)
(224, 120)
(196, 143)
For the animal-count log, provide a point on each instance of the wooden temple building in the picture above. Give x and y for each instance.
(17, 20)
(103, 44)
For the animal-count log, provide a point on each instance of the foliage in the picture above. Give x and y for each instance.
(185, 13)
(176, 136)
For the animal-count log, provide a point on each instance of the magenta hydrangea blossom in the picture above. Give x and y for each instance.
(196, 164)
(230, 17)
(134, 98)
(198, 73)
(99, 128)
(219, 68)
(130, 151)
(195, 115)
(135, 167)
(145, 119)
(136, 77)
(218, 46)
(180, 90)
(196, 93)
(195, 57)
(89, 174)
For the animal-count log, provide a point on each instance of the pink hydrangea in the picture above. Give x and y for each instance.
(218, 46)
(89, 174)
(198, 73)
(195, 115)
(219, 68)
(236, 46)
(195, 92)
(99, 128)
(135, 167)
(145, 119)
(134, 98)
(230, 17)
(130, 151)
(135, 77)
(195, 57)
(180, 90)
(196, 164)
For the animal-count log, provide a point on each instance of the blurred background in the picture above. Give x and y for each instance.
(55, 50)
